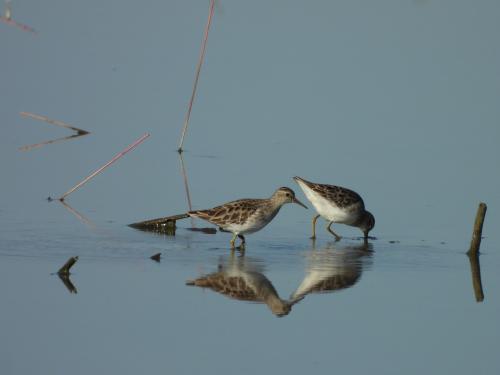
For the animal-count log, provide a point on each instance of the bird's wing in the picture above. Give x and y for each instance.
(343, 197)
(237, 212)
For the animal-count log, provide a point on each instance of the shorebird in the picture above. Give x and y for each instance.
(239, 217)
(337, 205)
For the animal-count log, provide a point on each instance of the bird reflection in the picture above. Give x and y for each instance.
(333, 268)
(242, 279)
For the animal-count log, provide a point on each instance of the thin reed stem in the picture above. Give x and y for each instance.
(53, 122)
(186, 186)
(96, 172)
(197, 76)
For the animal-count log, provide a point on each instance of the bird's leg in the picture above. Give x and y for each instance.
(337, 237)
(242, 244)
(232, 241)
(315, 218)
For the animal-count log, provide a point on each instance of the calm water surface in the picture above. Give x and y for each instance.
(405, 307)
(396, 100)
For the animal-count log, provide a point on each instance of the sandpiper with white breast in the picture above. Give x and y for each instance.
(337, 205)
(246, 216)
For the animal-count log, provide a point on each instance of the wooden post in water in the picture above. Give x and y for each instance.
(64, 270)
(478, 229)
(473, 252)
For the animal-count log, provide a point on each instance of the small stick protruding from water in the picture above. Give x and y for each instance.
(156, 257)
(64, 270)
(95, 173)
(197, 76)
(478, 229)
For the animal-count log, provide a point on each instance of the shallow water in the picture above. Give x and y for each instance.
(389, 308)
(396, 101)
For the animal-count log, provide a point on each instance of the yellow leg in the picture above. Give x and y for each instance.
(315, 218)
(337, 237)
(232, 241)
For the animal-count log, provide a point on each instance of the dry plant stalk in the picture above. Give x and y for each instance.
(96, 172)
(197, 76)
(53, 122)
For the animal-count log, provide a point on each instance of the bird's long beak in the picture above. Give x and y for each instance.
(295, 200)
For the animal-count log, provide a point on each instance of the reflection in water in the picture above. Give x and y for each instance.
(64, 273)
(475, 269)
(240, 278)
(167, 225)
(333, 268)
(79, 132)
(186, 186)
(330, 269)
(36, 145)
(78, 215)
(67, 282)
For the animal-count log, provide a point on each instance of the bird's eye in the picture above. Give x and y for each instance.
(287, 194)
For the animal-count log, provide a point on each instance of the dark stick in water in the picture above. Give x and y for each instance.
(478, 229)
(473, 252)
(64, 270)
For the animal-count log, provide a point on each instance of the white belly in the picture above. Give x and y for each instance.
(255, 223)
(327, 209)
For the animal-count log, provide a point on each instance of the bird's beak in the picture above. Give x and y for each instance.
(295, 200)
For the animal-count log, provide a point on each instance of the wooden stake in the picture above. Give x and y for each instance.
(95, 173)
(156, 257)
(478, 229)
(64, 270)
(197, 76)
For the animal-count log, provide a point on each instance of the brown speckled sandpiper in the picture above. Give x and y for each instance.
(337, 205)
(246, 216)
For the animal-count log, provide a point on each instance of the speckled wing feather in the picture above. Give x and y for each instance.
(236, 212)
(342, 197)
